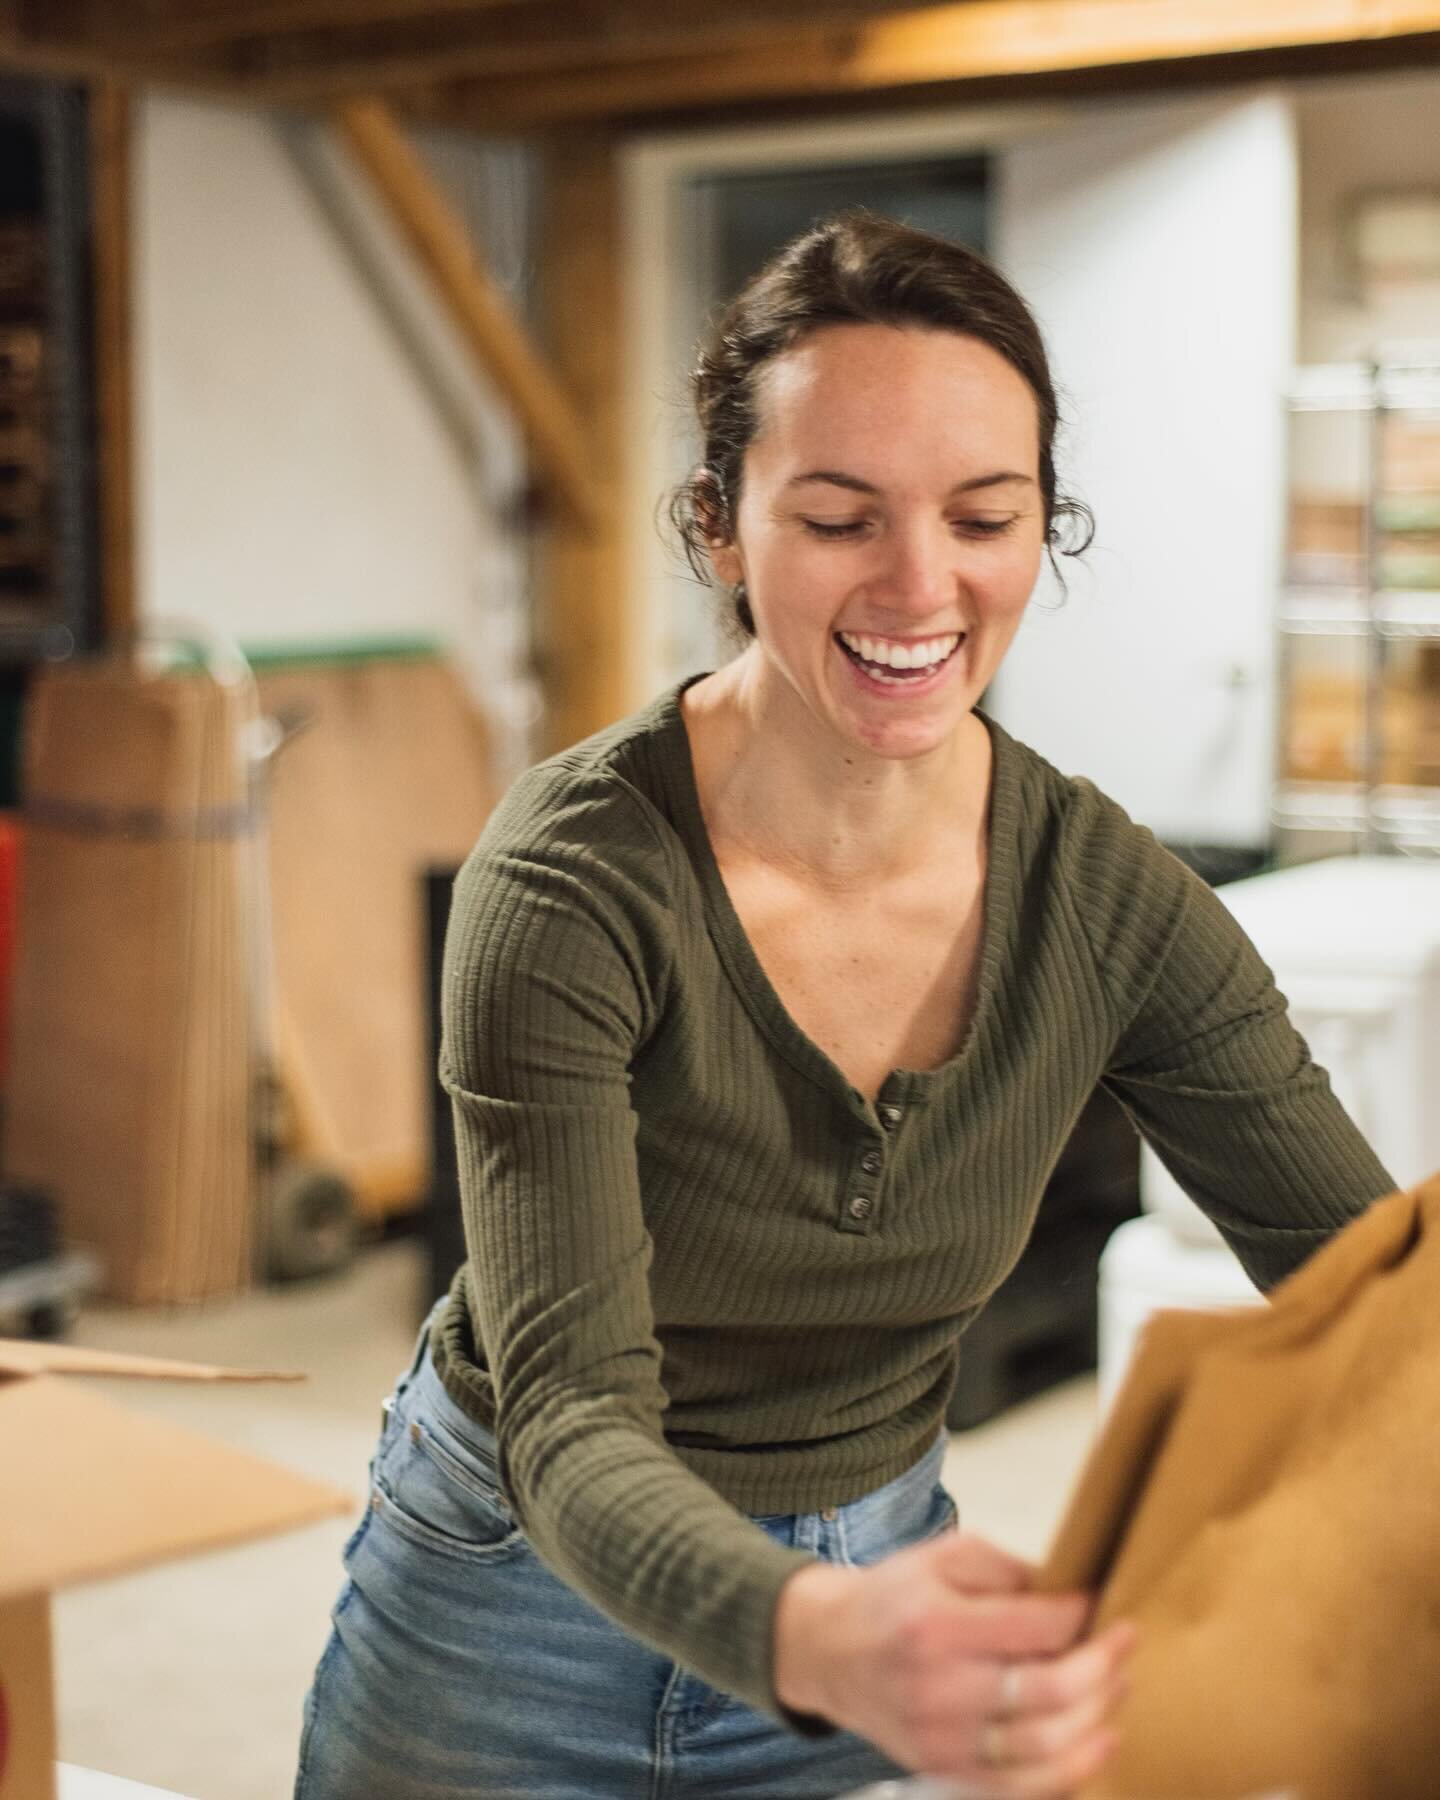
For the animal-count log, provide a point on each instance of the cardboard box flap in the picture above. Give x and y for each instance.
(89, 1489)
(23, 1356)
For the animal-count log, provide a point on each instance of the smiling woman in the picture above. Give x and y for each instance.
(926, 530)
(767, 1013)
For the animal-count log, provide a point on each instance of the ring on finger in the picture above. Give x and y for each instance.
(1009, 1703)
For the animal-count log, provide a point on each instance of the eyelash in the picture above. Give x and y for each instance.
(985, 527)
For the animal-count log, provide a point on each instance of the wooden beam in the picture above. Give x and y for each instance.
(557, 434)
(112, 167)
(969, 41)
(585, 610)
(169, 25)
(512, 37)
(36, 40)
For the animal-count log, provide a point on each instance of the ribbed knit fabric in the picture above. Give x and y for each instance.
(706, 1276)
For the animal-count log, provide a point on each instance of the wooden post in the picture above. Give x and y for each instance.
(111, 163)
(584, 608)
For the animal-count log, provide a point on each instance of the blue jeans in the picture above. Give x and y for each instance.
(460, 1668)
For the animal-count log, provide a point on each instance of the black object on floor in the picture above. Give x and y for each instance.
(1040, 1326)
(41, 1283)
(29, 1227)
(444, 1229)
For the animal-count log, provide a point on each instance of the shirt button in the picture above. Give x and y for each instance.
(860, 1206)
(891, 1115)
(872, 1162)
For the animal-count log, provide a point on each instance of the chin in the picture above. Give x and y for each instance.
(904, 739)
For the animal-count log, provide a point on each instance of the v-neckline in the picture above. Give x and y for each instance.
(747, 972)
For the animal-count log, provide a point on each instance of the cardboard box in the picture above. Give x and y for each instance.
(88, 1489)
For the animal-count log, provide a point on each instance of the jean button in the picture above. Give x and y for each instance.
(829, 1514)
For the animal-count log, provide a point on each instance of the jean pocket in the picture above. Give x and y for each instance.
(945, 1511)
(870, 1537)
(443, 1494)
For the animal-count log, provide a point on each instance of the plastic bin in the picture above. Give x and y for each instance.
(1354, 943)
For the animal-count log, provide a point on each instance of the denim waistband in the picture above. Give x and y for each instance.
(880, 1514)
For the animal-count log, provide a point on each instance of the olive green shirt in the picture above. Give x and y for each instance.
(706, 1276)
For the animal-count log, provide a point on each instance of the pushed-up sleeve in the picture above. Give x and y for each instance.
(1206, 1061)
(556, 965)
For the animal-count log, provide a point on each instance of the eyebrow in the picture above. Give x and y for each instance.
(838, 478)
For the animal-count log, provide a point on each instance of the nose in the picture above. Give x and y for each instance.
(918, 570)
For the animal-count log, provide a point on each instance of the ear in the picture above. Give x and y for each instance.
(709, 513)
(726, 561)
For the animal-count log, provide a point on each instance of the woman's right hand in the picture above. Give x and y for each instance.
(941, 1657)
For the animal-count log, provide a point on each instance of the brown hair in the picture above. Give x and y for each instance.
(855, 267)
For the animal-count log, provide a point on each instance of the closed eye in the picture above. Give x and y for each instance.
(851, 527)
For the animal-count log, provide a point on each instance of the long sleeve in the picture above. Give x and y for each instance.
(1206, 1061)
(555, 971)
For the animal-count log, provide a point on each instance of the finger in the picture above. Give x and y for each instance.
(1022, 1625)
(975, 1566)
(1054, 1683)
(1042, 1737)
(1055, 1779)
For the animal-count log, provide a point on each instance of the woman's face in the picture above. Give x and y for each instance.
(890, 513)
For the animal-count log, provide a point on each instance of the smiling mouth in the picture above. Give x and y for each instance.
(875, 656)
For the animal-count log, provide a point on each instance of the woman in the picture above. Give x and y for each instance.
(767, 1012)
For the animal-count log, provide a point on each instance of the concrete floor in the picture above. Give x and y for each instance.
(191, 1676)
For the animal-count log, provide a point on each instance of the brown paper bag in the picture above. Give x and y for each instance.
(1264, 1502)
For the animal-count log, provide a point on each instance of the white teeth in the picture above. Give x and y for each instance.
(901, 656)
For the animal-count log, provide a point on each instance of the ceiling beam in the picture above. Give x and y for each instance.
(508, 38)
(976, 40)
(153, 26)
(55, 38)
(554, 431)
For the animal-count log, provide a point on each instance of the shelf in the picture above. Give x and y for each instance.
(1411, 386)
(1345, 612)
(1410, 816)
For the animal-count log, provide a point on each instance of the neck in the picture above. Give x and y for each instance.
(777, 783)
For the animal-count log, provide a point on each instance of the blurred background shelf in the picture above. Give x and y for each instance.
(1358, 614)
(1407, 817)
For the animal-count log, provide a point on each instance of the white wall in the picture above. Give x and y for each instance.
(1157, 246)
(297, 477)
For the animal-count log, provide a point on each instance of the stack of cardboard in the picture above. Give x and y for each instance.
(131, 1064)
(390, 776)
